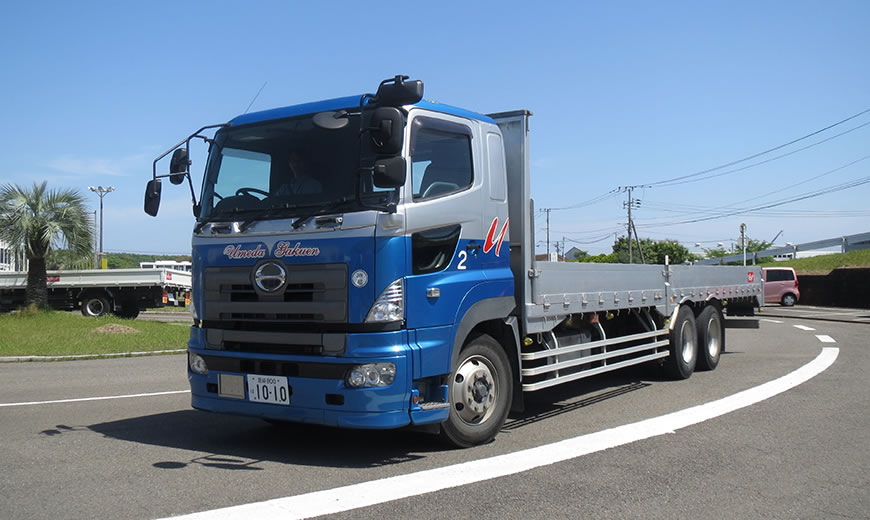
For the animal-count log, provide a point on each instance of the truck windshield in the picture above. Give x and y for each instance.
(283, 169)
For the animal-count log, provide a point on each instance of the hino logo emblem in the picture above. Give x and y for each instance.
(270, 277)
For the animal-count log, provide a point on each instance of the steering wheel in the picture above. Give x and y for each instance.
(248, 191)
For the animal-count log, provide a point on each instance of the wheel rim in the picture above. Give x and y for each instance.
(95, 307)
(714, 337)
(475, 390)
(788, 299)
(688, 342)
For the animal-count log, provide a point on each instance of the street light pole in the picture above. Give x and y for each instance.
(99, 190)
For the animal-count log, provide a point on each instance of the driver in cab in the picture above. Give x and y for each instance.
(298, 180)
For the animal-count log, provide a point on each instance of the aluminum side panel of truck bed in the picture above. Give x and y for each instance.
(564, 288)
(102, 278)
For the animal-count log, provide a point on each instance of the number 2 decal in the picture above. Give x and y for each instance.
(463, 256)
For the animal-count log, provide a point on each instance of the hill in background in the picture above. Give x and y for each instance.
(130, 260)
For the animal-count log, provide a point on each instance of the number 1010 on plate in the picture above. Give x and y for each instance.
(268, 389)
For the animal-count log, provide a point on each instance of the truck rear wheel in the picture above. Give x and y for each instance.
(684, 346)
(128, 310)
(95, 306)
(711, 338)
(480, 390)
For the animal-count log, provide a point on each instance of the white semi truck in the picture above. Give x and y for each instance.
(369, 262)
(97, 292)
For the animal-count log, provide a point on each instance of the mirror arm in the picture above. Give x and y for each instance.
(186, 142)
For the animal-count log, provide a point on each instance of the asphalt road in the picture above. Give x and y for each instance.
(804, 453)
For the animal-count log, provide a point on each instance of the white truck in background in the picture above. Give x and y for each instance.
(97, 292)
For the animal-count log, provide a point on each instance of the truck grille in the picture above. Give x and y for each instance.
(242, 319)
(315, 293)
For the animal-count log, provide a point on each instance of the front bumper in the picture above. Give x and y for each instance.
(318, 393)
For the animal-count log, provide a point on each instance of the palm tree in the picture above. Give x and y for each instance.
(39, 220)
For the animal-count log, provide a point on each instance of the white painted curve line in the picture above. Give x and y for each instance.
(103, 398)
(824, 338)
(770, 320)
(803, 327)
(366, 494)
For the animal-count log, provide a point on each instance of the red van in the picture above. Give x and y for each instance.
(781, 286)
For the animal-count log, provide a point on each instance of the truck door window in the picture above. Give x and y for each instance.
(440, 158)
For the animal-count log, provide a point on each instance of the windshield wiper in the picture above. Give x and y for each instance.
(326, 207)
(271, 211)
(220, 217)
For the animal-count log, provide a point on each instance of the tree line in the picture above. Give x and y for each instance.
(649, 251)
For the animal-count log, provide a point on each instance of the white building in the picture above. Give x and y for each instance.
(11, 261)
(167, 264)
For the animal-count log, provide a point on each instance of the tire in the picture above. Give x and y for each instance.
(480, 392)
(684, 346)
(788, 299)
(711, 338)
(128, 311)
(95, 306)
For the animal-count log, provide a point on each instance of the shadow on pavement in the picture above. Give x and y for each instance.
(242, 443)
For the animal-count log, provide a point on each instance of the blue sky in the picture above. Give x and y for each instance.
(623, 93)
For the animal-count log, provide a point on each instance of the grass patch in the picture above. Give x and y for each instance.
(169, 308)
(32, 332)
(824, 264)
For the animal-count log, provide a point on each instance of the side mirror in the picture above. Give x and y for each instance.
(389, 172)
(178, 166)
(386, 130)
(395, 92)
(152, 197)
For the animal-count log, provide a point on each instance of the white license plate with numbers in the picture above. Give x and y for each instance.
(268, 389)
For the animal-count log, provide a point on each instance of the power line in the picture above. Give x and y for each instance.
(818, 193)
(609, 195)
(720, 174)
(759, 154)
(692, 210)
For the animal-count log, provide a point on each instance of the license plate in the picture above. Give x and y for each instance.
(268, 389)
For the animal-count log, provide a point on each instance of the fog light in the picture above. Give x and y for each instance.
(197, 364)
(371, 375)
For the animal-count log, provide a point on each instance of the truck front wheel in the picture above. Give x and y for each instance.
(480, 390)
(95, 306)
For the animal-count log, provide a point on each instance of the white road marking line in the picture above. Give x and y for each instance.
(770, 321)
(103, 398)
(803, 327)
(825, 338)
(374, 492)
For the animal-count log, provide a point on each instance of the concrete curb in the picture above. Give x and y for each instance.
(24, 359)
(796, 313)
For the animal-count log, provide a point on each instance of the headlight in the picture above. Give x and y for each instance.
(197, 364)
(390, 305)
(193, 311)
(374, 374)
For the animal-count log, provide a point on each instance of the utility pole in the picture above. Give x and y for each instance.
(743, 242)
(629, 204)
(96, 256)
(99, 190)
(548, 231)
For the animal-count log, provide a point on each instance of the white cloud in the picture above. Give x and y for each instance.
(96, 166)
